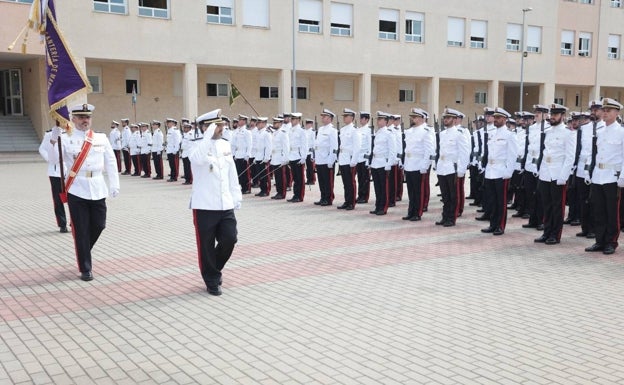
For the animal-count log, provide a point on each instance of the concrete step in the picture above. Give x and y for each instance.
(17, 134)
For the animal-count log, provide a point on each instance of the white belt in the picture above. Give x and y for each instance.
(86, 174)
(609, 166)
(409, 155)
(378, 156)
(553, 159)
(496, 161)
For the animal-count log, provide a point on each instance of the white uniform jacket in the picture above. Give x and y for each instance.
(134, 143)
(350, 146)
(174, 139)
(145, 141)
(215, 181)
(157, 141)
(280, 148)
(520, 136)
(241, 143)
(310, 137)
(89, 182)
(114, 137)
(454, 152)
(298, 143)
(587, 134)
(365, 143)
(263, 146)
(502, 150)
(45, 147)
(126, 133)
(558, 158)
(384, 149)
(326, 145)
(534, 146)
(610, 155)
(419, 145)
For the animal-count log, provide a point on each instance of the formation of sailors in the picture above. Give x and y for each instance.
(538, 163)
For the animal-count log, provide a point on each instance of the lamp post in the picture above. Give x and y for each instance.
(523, 47)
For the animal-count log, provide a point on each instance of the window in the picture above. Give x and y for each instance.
(343, 89)
(514, 34)
(154, 8)
(534, 39)
(216, 89)
(21, 1)
(414, 27)
(132, 81)
(406, 92)
(310, 16)
(480, 97)
(256, 13)
(269, 92)
(459, 94)
(559, 101)
(110, 6)
(478, 32)
(577, 100)
(388, 24)
(614, 47)
(616, 3)
(455, 34)
(586, 1)
(567, 43)
(94, 74)
(219, 12)
(584, 48)
(303, 84)
(341, 19)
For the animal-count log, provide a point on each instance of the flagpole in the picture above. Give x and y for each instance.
(293, 88)
(244, 98)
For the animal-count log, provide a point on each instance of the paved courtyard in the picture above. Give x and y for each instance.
(312, 295)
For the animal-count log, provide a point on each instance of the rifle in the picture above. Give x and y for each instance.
(472, 140)
(436, 127)
(577, 154)
(542, 140)
(592, 165)
(61, 165)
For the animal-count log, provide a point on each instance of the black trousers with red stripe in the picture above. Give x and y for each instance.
(392, 185)
(216, 235)
(553, 199)
(363, 177)
(264, 177)
(88, 219)
(158, 164)
(326, 181)
(606, 212)
(145, 164)
(126, 160)
(496, 190)
(448, 189)
(347, 173)
(118, 159)
(174, 164)
(136, 163)
(380, 182)
(414, 183)
(279, 172)
(244, 173)
(59, 208)
(310, 170)
(297, 171)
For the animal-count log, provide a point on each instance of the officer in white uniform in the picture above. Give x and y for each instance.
(535, 208)
(114, 137)
(185, 148)
(297, 156)
(382, 156)
(326, 151)
(502, 153)
(174, 139)
(362, 169)
(419, 145)
(262, 157)
(279, 158)
(242, 148)
(86, 197)
(454, 154)
(126, 133)
(606, 177)
(145, 142)
(54, 174)
(216, 194)
(158, 140)
(350, 147)
(310, 165)
(135, 149)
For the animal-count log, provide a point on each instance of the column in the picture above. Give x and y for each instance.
(493, 98)
(285, 84)
(189, 90)
(547, 93)
(594, 94)
(434, 98)
(365, 88)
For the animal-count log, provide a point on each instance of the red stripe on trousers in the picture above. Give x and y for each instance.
(503, 221)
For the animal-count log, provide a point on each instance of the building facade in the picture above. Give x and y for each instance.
(182, 56)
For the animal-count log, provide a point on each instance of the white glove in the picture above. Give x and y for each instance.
(285, 163)
(387, 168)
(561, 182)
(246, 159)
(302, 161)
(620, 182)
(588, 181)
(114, 193)
(238, 205)
(461, 174)
(353, 165)
(423, 171)
(56, 132)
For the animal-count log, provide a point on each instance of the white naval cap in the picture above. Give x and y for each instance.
(558, 109)
(262, 119)
(296, 115)
(611, 103)
(213, 116)
(451, 113)
(365, 114)
(82, 109)
(171, 120)
(419, 112)
(348, 112)
(498, 111)
(540, 108)
(328, 113)
(115, 122)
(595, 104)
(243, 117)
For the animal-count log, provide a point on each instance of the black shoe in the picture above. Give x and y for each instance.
(135, 174)
(551, 241)
(215, 290)
(125, 173)
(529, 226)
(414, 218)
(591, 235)
(407, 218)
(247, 192)
(349, 207)
(482, 218)
(448, 224)
(146, 176)
(541, 239)
(380, 212)
(157, 177)
(473, 204)
(325, 203)
(608, 249)
(261, 194)
(488, 230)
(480, 210)
(595, 247)
(391, 204)
(567, 221)
(517, 215)
(498, 231)
(172, 180)
(318, 203)
(294, 200)
(278, 196)
(526, 216)
(373, 212)
(187, 183)
(64, 229)
(440, 222)
(361, 201)
(342, 206)
(540, 227)
(576, 222)
(581, 234)
(86, 276)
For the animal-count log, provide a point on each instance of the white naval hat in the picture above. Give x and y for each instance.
(498, 111)
(396, 117)
(595, 104)
(611, 103)
(171, 120)
(451, 113)
(488, 110)
(262, 119)
(419, 112)
(213, 116)
(348, 112)
(82, 109)
(558, 109)
(365, 114)
(327, 113)
(243, 117)
(382, 115)
(296, 115)
(157, 122)
(115, 122)
(540, 108)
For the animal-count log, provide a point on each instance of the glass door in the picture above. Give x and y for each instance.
(12, 92)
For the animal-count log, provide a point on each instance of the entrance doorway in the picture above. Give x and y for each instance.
(11, 92)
